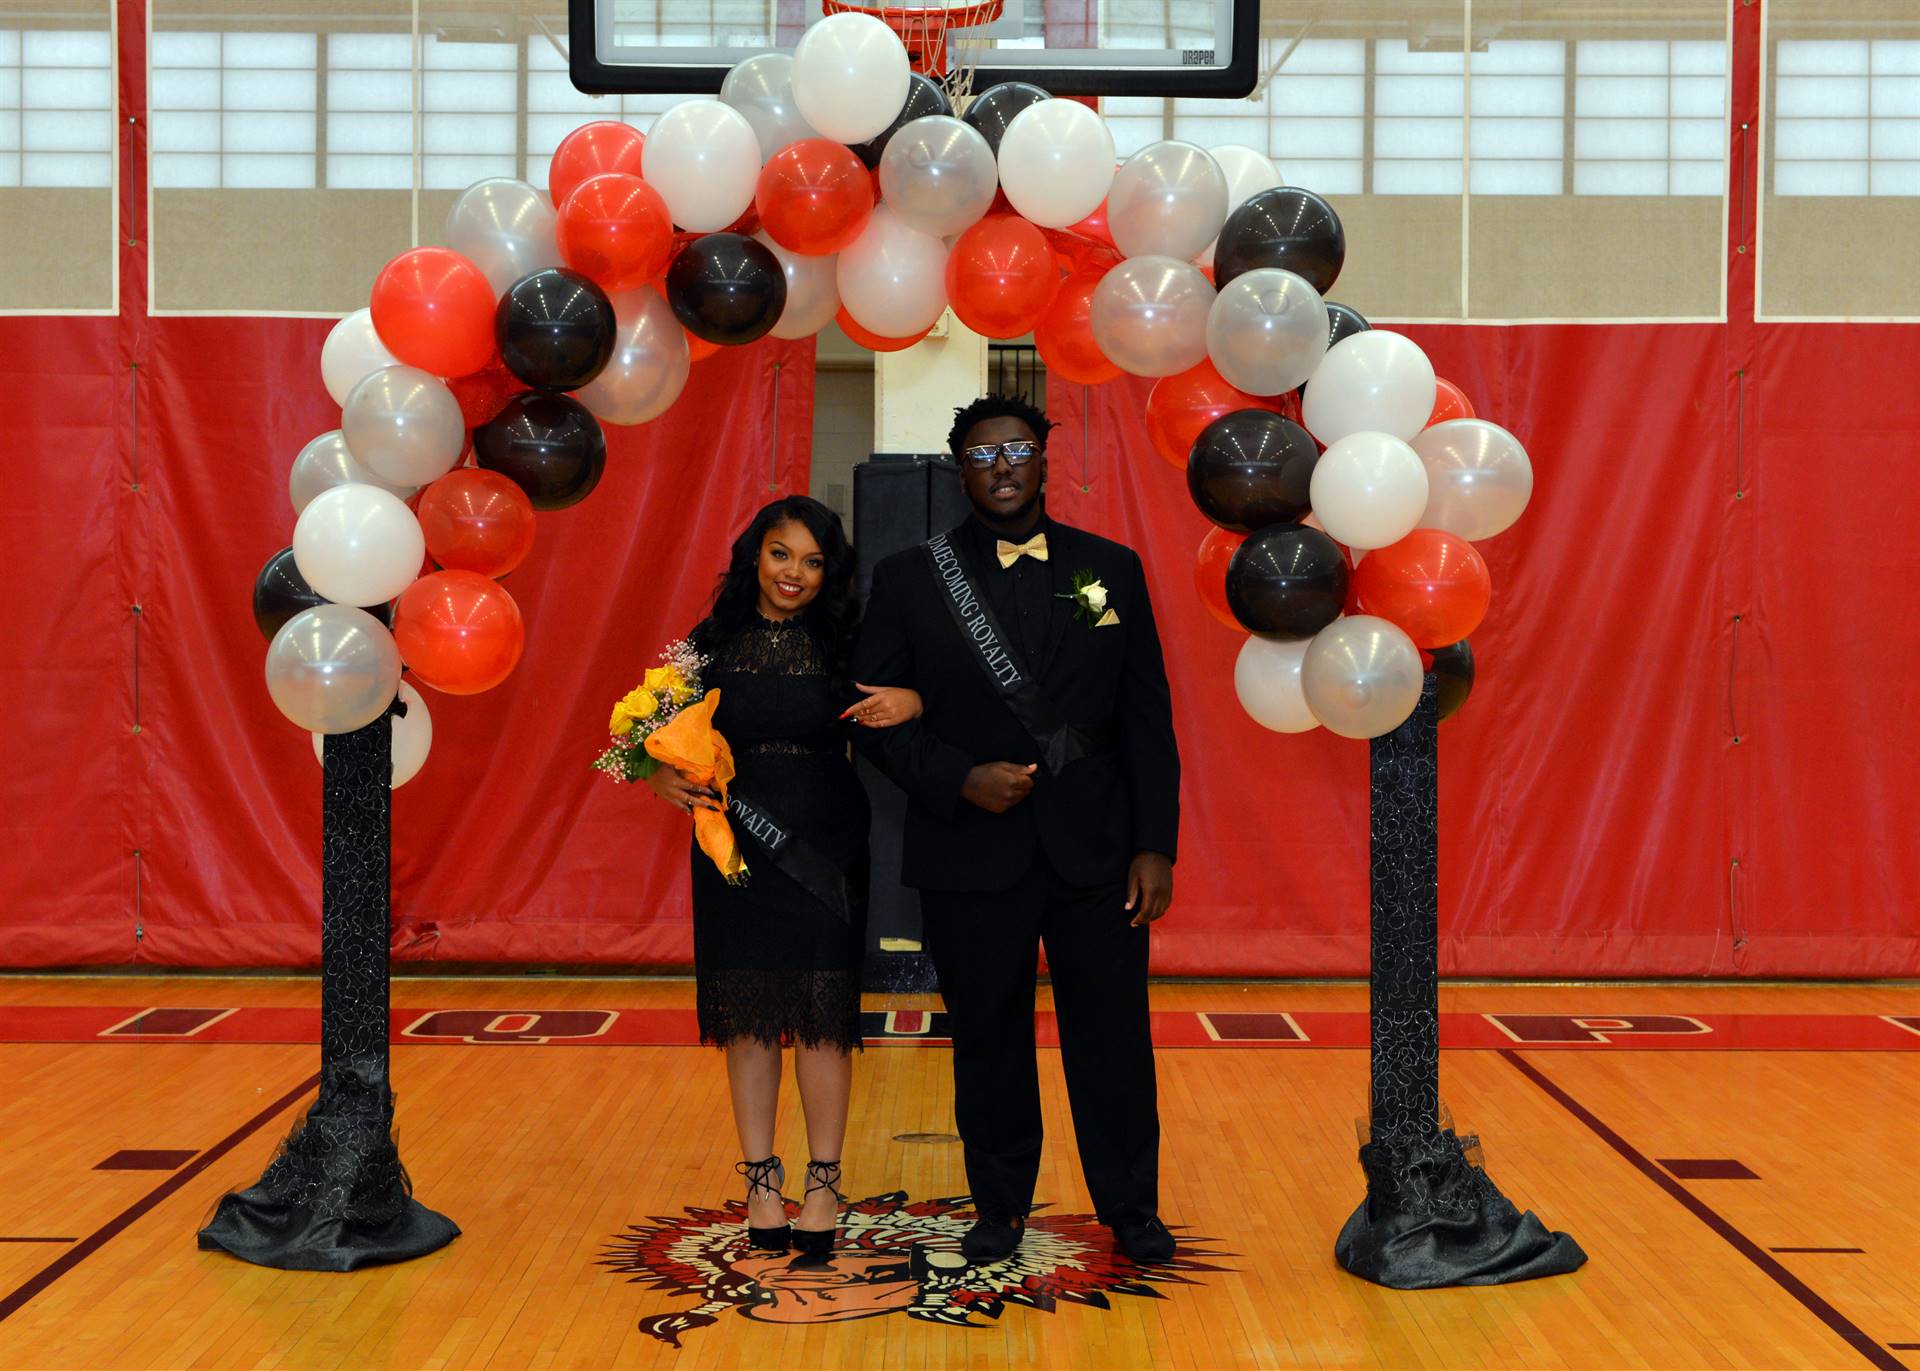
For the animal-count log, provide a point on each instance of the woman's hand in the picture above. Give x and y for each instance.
(885, 706)
(679, 790)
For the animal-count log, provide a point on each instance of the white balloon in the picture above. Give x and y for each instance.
(333, 668)
(704, 159)
(1266, 677)
(1372, 382)
(1248, 173)
(938, 174)
(850, 77)
(813, 291)
(1056, 162)
(506, 228)
(404, 426)
(650, 361)
(326, 462)
(761, 88)
(1169, 200)
(352, 352)
(1478, 478)
(1267, 331)
(358, 545)
(1149, 315)
(412, 738)
(1361, 676)
(892, 278)
(1369, 490)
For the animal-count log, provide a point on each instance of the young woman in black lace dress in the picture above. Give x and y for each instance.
(777, 959)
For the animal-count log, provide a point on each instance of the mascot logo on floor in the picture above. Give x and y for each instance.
(893, 1257)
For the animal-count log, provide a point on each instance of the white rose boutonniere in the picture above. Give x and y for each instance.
(1090, 600)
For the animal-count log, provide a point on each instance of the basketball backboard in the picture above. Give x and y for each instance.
(1069, 47)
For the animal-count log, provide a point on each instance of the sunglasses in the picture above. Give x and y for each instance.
(1018, 453)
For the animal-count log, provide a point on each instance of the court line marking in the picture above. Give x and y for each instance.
(1839, 1323)
(18, 1298)
(153, 1008)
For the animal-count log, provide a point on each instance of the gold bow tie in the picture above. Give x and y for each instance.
(1009, 553)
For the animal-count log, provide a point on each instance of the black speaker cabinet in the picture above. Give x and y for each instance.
(900, 499)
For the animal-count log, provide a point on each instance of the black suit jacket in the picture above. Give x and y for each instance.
(1093, 816)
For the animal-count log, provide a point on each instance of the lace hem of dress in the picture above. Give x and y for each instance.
(779, 1008)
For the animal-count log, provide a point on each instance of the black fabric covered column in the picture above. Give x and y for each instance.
(336, 1198)
(1432, 1216)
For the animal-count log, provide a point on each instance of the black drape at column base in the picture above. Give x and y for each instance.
(336, 1198)
(1432, 1218)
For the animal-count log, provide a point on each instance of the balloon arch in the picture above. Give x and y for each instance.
(1347, 484)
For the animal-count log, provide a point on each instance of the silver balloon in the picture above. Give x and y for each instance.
(1478, 478)
(404, 426)
(813, 291)
(1361, 676)
(762, 89)
(938, 174)
(1267, 331)
(650, 361)
(506, 228)
(325, 463)
(1169, 200)
(332, 669)
(1149, 315)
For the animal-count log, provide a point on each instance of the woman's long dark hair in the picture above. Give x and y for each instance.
(833, 618)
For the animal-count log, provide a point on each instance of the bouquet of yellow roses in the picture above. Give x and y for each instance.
(648, 708)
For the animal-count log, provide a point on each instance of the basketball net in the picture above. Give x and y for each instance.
(937, 36)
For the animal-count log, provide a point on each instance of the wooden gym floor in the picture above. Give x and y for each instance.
(1738, 1161)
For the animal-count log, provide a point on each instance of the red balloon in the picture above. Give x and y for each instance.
(1094, 227)
(603, 146)
(1432, 584)
(698, 348)
(484, 393)
(458, 631)
(1449, 402)
(434, 310)
(866, 338)
(616, 231)
(1179, 406)
(814, 197)
(476, 520)
(1001, 276)
(1065, 335)
(1210, 574)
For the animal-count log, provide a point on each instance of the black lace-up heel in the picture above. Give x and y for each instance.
(767, 1175)
(818, 1242)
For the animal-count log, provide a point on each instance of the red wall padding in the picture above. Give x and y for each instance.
(1598, 817)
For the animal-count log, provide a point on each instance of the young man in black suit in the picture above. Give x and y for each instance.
(1043, 784)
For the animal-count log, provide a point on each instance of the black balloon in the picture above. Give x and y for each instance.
(1287, 581)
(1251, 468)
(1343, 323)
(1285, 227)
(924, 96)
(727, 288)
(555, 329)
(548, 445)
(1452, 676)
(994, 108)
(280, 592)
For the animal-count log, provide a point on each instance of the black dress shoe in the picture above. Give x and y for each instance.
(992, 1239)
(1148, 1243)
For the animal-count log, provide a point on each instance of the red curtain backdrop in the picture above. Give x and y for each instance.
(1687, 753)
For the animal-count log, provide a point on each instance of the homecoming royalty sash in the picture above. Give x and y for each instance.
(1059, 742)
(812, 872)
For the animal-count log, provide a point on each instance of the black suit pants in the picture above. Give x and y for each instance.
(984, 948)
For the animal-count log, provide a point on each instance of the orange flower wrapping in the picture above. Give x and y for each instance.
(693, 746)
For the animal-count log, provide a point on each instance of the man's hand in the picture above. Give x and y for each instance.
(997, 786)
(1149, 887)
